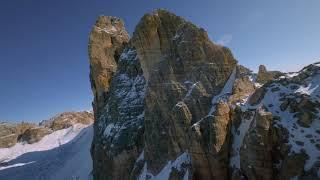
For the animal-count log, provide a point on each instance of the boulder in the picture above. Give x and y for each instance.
(257, 96)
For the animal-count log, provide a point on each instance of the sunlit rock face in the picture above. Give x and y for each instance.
(67, 119)
(175, 105)
(188, 71)
(265, 76)
(106, 43)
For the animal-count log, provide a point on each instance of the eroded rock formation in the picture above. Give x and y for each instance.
(106, 43)
(175, 105)
(265, 76)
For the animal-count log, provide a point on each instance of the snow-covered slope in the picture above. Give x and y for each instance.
(294, 102)
(64, 154)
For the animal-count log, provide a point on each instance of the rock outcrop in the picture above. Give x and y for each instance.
(119, 87)
(255, 153)
(11, 133)
(106, 43)
(34, 135)
(175, 105)
(67, 119)
(265, 76)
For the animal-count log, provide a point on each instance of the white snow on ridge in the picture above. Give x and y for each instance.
(312, 89)
(300, 138)
(238, 136)
(111, 30)
(227, 90)
(63, 154)
(191, 89)
(164, 174)
(296, 132)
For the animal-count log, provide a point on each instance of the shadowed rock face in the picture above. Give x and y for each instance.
(118, 132)
(175, 105)
(256, 156)
(118, 86)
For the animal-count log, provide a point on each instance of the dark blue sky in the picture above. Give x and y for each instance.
(43, 44)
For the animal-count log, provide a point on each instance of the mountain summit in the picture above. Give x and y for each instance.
(171, 104)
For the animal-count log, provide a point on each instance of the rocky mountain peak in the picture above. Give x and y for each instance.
(153, 36)
(106, 42)
(178, 106)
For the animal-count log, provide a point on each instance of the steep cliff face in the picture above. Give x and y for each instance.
(178, 106)
(118, 137)
(106, 43)
(189, 71)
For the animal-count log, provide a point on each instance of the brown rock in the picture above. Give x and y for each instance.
(106, 43)
(67, 119)
(257, 96)
(292, 166)
(9, 133)
(153, 37)
(209, 145)
(34, 135)
(184, 69)
(265, 76)
(255, 153)
(242, 88)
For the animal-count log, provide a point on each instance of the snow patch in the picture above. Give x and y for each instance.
(165, 172)
(15, 165)
(238, 136)
(141, 157)
(63, 154)
(109, 30)
(225, 92)
(296, 132)
(191, 89)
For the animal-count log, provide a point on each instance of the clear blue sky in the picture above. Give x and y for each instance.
(43, 43)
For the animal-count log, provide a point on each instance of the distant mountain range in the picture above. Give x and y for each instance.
(50, 150)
